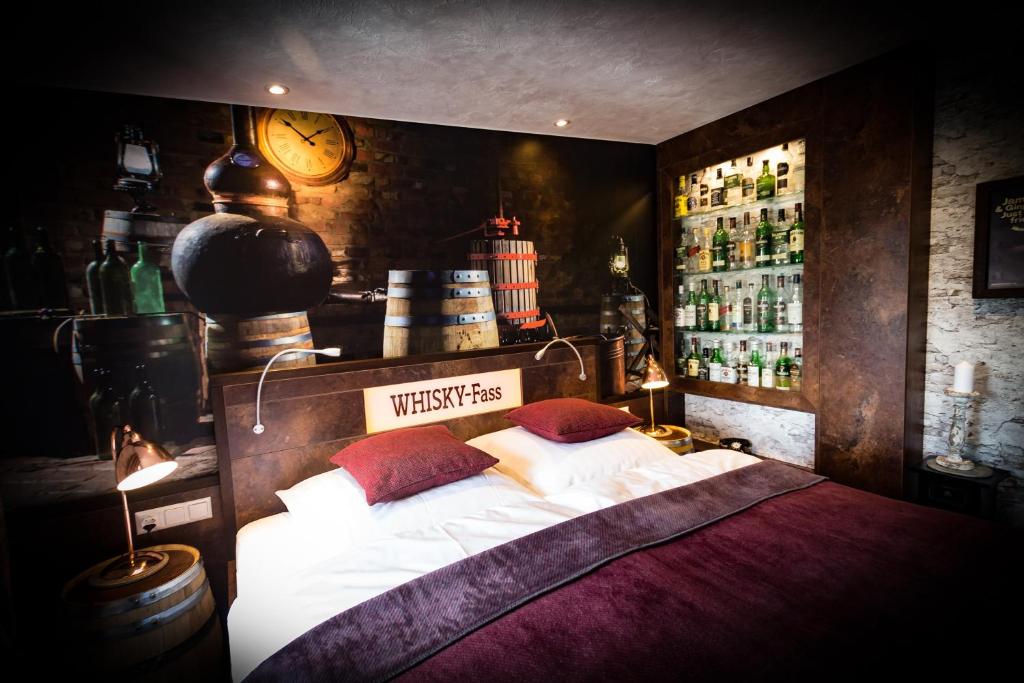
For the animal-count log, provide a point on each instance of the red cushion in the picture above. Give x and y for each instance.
(400, 463)
(571, 420)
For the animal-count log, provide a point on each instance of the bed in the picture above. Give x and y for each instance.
(712, 566)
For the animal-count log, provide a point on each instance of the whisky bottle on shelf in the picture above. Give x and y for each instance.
(754, 364)
(715, 309)
(703, 302)
(782, 168)
(693, 195)
(718, 189)
(680, 209)
(704, 193)
(115, 283)
(796, 370)
(678, 309)
(799, 161)
(693, 360)
(765, 182)
(725, 309)
(796, 236)
(690, 310)
(92, 280)
(734, 241)
(716, 362)
(768, 367)
(720, 248)
(749, 192)
(702, 371)
(693, 253)
(781, 322)
(733, 185)
(736, 309)
(746, 243)
(765, 312)
(730, 369)
(763, 241)
(704, 256)
(795, 306)
(749, 303)
(780, 240)
(782, 368)
(742, 363)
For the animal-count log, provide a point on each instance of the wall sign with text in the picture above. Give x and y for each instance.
(432, 400)
(999, 238)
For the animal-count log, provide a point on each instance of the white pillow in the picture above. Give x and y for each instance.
(549, 467)
(334, 503)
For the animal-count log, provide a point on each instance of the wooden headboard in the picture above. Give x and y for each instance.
(311, 413)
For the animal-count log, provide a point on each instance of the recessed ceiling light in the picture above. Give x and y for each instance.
(277, 89)
(562, 123)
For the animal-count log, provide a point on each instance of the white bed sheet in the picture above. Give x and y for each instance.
(292, 583)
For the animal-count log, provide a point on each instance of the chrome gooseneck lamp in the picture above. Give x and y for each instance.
(332, 351)
(563, 340)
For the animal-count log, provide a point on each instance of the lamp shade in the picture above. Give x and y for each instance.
(138, 462)
(654, 376)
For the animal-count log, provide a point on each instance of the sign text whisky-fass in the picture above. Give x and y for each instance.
(433, 400)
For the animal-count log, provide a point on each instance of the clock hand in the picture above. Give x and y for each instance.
(297, 131)
(322, 130)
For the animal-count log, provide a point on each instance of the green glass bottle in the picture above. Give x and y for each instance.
(693, 360)
(765, 182)
(720, 248)
(796, 237)
(763, 241)
(115, 283)
(147, 291)
(703, 302)
(782, 368)
(715, 309)
(690, 310)
(92, 280)
(754, 365)
(765, 315)
(716, 362)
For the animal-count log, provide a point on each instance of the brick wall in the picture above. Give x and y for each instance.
(411, 185)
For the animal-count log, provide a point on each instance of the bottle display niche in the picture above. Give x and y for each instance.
(738, 270)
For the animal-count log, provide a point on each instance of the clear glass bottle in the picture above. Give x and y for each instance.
(780, 240)
(693, 195)
(720, 248)
(730, 370)
(749, 192)
(734, 241)
(754, 364)
(795, 306)
(782, 368)
(765, 312)
(147, 290)
(718, 189)
(796, 236)
(704, 256)
(115, 283)
(746, 243)
(716, 362)
(693, 253)
(768, 367)
(742, 362)
(92, 280)
(765, 182)
(736, 308)
(798, 166)
(781, 323)
(725, 309)
(679, 309)
(733, 192)
(763, 241)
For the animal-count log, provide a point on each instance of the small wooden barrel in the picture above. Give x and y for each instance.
(234, 343)
(678, 440)
(438, 310)
(613, 367)
(512, 267)
(163, 627)
(614, 323)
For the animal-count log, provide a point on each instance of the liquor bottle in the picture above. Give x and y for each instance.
(742, 361)
(736, 309)
(734, 241)
(748, 309)
(704, 256)
(768, 367)
(681, 253)
(703, 301)
(746, 243)
(49, 272)
(720, 248)
(702, 371)
(147, 290)
(21, 285)
(725, 310)
(749, 193)
(107, 409)
(680, 356)
(730, 369)
(781, 322)
(780, 240)
(679, 309)
(690, 310)
(765, 182)
(92, 280)
(115, 283)
(763, 241)
(681, 198)
(782, 185)
(693, 195)
(733, 185)
(704, 191)
(795, 307)
(798, 165)
(796, 370)
(718, 189)
(144, 407)
(693, 360)
(782, 368)
(754, 364)
(716, 362)
(693, 253)
(765, 313)
(715, 309)
(796, 236)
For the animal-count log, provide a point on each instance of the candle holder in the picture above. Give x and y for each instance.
(954, 462)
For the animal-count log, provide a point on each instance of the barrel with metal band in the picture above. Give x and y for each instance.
(235, 343)
(438, 310)
(512, 266)
(163, 627)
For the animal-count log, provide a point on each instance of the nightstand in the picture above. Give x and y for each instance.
(970, 496)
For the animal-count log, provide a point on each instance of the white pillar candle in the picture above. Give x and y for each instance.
(963, 377)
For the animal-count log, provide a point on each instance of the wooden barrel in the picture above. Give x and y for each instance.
(512, 268)
(163, 627)
(234, 343)
(678, 439)
(161, 341)
(438, 310)
(614, 323)
(613, 366)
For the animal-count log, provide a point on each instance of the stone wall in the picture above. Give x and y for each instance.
(782, 434)
(979, 136)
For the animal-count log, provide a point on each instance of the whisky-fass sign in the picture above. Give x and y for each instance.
(433, 400)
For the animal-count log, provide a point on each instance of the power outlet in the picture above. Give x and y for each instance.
(154, 519)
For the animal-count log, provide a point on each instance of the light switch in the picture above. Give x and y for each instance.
(199, 509)
(175, 515)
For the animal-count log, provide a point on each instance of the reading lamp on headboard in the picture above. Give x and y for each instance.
(332, 351)
(540, 354)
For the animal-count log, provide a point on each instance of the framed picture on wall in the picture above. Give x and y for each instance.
(999, 239)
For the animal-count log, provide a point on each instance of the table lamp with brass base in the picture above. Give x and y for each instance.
(137, 463)
(654, 378)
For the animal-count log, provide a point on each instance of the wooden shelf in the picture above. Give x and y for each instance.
(788, 400)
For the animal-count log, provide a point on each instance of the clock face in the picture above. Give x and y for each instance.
(310, 148)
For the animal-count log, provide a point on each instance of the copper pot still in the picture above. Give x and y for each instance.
(250, 258)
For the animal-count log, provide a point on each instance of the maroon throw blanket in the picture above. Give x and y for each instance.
(789, 588)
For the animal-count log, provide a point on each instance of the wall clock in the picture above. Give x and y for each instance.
(309, 148)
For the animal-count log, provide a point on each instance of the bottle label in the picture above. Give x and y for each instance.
(691, 203)
(795, 313)
(692, 367)
(719, 261)
(762, 311)
(715, 372)
(748, 188)
(733, 180)
(717, 196)
(702, 315)
(796, 240)
(713, 312)
(728, 374)
(780, 312)
(748, 313)
(782, 378)
(753, 376)
(704, 260)
(679, 318)
(690, 316)
(767, 378)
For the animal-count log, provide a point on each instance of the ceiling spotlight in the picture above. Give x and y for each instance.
(562, 123)
(277, 89)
